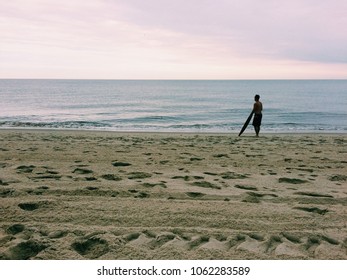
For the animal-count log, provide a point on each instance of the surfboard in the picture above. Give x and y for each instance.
(246, 123)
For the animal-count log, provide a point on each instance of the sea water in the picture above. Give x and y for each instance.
(173, 105)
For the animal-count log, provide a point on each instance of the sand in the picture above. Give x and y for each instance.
(102, 195)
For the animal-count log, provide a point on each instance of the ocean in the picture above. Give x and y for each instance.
(220, 106)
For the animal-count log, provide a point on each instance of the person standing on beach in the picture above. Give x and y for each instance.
(257, 110)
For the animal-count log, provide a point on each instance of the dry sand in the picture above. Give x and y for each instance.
(102, 195)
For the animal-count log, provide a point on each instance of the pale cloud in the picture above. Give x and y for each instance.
(178, 39)
(303, 29)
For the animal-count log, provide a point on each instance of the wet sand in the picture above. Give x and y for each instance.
(103, 195)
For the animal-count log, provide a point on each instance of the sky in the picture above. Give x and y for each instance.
(173, 39)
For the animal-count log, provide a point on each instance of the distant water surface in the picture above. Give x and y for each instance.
(173, 105)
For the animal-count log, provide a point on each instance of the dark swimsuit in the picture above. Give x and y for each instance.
(257, 119)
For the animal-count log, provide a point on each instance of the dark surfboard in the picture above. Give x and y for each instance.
(246, 123)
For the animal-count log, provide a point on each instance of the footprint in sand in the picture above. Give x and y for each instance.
(314, 194)
(258, 244)
(313, 210)
(24, 250)
(28, 206)
(291, 180)
(111, 177)
(14, 229)
(132, 236)
(142, 195)
(292, 238)
(7, 192)
(198, 241)
(221, 156)
(318, 245)
(214, 244)
(138, 175)
(150, 185)
(205, 184)
(233, 175)
(244, 187)
(161, 239)
(338, 178)
(311, 244)
(25, 168)
(3, 183)
(91, 248)
(333, 252)
(82, 171)
(120, 164)
(195, 194)
(31, 206)
(252, 245)
(289, 249)
(138, 239)
(57, 234)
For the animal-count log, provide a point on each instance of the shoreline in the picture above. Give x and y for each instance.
(84, 195)
(232, 133)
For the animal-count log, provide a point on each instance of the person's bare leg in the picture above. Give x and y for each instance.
(257, 130)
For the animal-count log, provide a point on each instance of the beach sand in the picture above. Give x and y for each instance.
(103, 195)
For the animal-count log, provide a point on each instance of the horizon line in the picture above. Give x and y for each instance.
(176, 79)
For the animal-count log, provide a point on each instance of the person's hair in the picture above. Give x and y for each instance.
(256, 97)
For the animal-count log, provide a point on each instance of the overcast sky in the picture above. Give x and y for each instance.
(173, 39)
